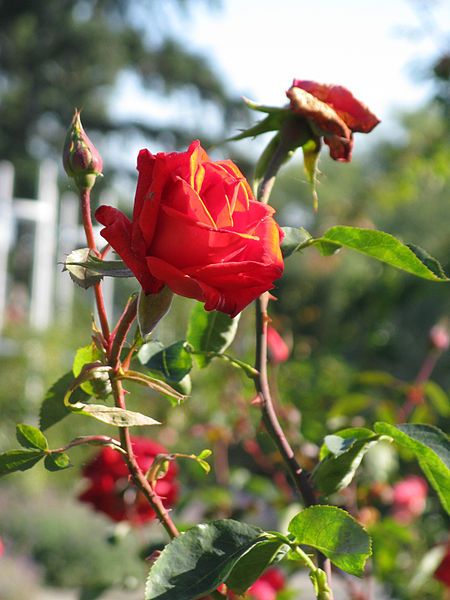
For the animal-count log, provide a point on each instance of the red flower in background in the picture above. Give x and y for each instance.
(409, 498)
(277, 348)
(267, 586)
(333, 112)
(197, 229)
(442, 573)
(111, 491)
(264, 588)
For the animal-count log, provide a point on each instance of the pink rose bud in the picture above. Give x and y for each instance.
(439, 338)
(81, 159)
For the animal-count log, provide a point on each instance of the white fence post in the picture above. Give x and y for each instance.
(6, 229)
(42, 287)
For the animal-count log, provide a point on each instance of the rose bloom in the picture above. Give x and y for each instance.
(276, 347)
(333, 112)
(111, 491)
(197, 229)
(409, 498)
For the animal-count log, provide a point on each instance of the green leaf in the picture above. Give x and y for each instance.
(210, 331)
(384, 247)
(98, 384)
(173, 362)
(77, 264)
(197, 561)
(155, 384)
(253, 564)
(82, 259)
(30, 437)
(432, 449)
(56, 461)
(112, 415)
(341, 455)
(53, 408)
(19, 460)
(437, 397)
(294, 240)
(336, 534)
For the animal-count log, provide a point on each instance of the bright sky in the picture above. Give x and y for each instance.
(376, 48)
(261, 45)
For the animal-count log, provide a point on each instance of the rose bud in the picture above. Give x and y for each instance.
(198, 230)
(81, 159)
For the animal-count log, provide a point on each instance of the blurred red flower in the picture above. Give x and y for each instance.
(267, 586)
(333, 112)
(442, 573)
(111, 491)
(409, 498)
(276, 347)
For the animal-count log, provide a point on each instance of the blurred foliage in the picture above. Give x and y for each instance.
(55, 55)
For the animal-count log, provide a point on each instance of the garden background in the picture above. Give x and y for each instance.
(158, 74)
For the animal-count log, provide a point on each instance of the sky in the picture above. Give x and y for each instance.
(376, 48)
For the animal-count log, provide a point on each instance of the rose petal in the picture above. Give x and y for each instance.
(353, 112)
(117, 232)
(318, 112)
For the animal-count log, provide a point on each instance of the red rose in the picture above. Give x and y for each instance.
(197, 229)
(334, 112)
(409, 498)
(111, 490)
(277, 348)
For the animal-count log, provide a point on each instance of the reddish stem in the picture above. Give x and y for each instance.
(85, 201)
(136, 473)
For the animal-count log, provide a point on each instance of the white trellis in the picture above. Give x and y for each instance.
(56, 234)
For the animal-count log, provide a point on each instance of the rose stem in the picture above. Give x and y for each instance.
(136, 473)
(269, 416)
(270, 419)
(85, 200)
(117, 388)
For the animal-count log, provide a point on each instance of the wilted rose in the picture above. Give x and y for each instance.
(197, 229)
(111, 491)
(333, 112)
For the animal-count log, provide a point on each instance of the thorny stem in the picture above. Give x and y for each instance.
(135, 472)
(127, 318)
(85, 201)
(269, 416)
